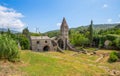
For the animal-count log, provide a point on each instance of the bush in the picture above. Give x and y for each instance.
(113, 57)
(8, 48)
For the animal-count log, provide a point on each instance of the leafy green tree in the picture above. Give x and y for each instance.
(79, 40)
(110, 31)
(26, 32)
(9, 32)
(117, 42)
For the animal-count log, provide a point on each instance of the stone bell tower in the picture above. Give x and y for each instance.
(62, 42)
(64, 29)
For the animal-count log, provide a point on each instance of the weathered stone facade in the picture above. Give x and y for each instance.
(41, 43)
(44, 43)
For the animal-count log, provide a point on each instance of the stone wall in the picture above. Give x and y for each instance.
(40, 44)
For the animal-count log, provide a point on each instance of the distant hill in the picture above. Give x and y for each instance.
(5, 30)
(118, 26)
(52, 33)
(97, 27)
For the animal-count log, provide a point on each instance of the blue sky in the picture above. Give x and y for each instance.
(47, 14)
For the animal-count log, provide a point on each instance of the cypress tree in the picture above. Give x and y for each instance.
(91, 33)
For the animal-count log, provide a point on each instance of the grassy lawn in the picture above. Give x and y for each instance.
(59, 64)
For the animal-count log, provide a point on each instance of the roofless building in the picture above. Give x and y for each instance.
(44, 43)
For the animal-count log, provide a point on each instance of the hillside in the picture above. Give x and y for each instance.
(58, 64)
(97, 27)
(118, 26)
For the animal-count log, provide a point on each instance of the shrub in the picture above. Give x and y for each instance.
(113, 57)
(8, 48)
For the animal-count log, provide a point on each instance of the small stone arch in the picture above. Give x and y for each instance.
(61, 43)
(46, 48)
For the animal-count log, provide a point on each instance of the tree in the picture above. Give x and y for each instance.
(91, 33)
(26, 32)
(25, 39)
(117, 42)
(79, 39)
(8, 32)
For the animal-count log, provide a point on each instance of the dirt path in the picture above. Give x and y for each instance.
(112, 72)
(100, 58)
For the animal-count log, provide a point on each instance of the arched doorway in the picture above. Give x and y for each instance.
(61, 43)
(46, 48)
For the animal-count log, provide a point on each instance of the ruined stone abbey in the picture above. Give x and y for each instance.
(44, 43)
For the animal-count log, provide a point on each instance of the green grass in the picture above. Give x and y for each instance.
(40, 65)
(59, 64)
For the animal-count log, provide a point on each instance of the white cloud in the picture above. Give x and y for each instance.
(58, 24)
(9, 18)
(109, 20)
(105, 6)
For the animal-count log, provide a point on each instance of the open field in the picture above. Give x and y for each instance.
(58, 64)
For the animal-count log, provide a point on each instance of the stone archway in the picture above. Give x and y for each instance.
(61, 43)
(46, 48)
